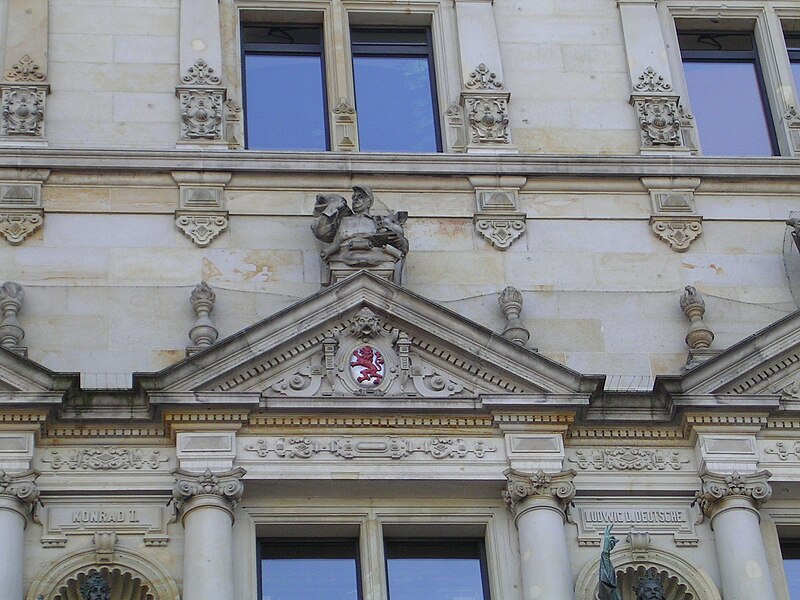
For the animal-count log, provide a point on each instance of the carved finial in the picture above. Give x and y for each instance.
(200, 74)
(95, 588)
(25, 70)
(650, 81)
(11, 298)
(510, 300)
(483, 79)
(204, 333)
(343, 107)
(694, 307)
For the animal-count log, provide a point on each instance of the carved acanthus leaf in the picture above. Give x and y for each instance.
(716, 486)
(227, 486)
(521, 486)
(21, 486)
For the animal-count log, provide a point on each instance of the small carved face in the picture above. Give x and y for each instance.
(650, 590)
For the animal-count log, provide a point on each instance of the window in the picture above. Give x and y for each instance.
(793, 48)
(727, 93)
(311, 569)
(284, 84)
(790, 549)
(436, 569)
(395, 90)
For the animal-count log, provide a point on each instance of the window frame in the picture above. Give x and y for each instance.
(739, 57)
(392, 50)
(268, 49)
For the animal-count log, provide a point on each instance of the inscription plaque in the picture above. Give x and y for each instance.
(147, 517)
(676, 517)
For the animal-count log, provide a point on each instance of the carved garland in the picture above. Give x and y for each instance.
(106, 458)
(628, 459)
(372, 447)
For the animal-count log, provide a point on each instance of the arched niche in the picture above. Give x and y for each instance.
(130, 574)
(682, 580)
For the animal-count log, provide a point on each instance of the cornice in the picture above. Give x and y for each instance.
(244, 161)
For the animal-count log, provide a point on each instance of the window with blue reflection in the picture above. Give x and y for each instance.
(453, 569)
(395, 90)
(791, 566)
(793, 48)
(727, 93)
(284, 88)
(306, 569)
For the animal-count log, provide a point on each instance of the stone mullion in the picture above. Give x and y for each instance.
(732, 502)
(17, 495)
(538, 501)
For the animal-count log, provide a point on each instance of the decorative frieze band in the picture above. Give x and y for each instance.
(628, 459)
(370, 447)
(716, 486)
(521, 486)
(226, 486)
(105, 458)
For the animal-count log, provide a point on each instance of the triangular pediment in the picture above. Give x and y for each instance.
(368, 337)
(766, 363)
(19, 376)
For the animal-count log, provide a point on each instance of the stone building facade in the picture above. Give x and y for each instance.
(575, 313)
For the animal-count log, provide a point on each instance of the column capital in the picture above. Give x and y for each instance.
(226, 486)
(20, 486)
(552, 486)
(751, 488)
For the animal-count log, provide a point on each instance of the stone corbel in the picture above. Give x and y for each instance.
(201, 215)
(660, 114)
(498, 218)
(674, 219)
(21, 211)
(202, 98)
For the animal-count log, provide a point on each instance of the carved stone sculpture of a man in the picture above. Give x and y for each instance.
(354, 239)
(95, 588)
(650, 587)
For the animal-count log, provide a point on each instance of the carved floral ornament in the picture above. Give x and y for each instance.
(677, 231)
(715, 487)
(200, 74)
(25, 70)
(628, 459)
(483, 79)
(23, 110)
(227, 486)
(650, 81)
(393, 448)
(521, 486)
(21, 486)
(105, 458)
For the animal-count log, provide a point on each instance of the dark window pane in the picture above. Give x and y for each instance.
(281, 34)
(718, 41)
(282, 91)
(451, 570)
(394, 104)
(417, 37)
(318, 570)
(726, 102)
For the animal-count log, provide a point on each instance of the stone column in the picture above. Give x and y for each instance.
(17, 495)
(538, 501)
(732, 503)
(206, 502)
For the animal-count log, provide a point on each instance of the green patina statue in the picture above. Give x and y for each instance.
(608, 577)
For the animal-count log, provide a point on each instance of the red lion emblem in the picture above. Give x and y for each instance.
(371, 362)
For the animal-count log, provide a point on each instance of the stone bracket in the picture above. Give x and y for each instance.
(201, 215)
(498, 218)
(21, 211)
(673, 218)
(22, 110)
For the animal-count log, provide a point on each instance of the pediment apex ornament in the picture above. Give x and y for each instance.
(200, 74)
(226, 486)
(25, 70)
(483, 79)
(650, 81)
(521, 485)
(365, 324)
(753, 487)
